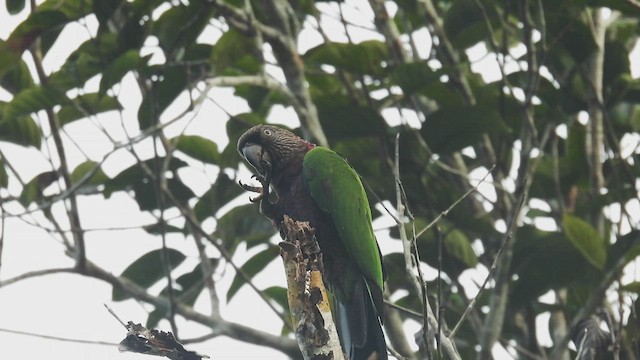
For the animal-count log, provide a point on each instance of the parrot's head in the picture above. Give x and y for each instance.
(269, 148)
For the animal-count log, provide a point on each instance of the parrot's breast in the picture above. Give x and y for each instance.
(297, 203)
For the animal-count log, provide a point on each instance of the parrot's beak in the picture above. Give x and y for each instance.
(258, 158)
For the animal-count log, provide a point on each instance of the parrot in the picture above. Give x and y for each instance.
(317, 185)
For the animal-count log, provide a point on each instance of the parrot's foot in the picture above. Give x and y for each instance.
(263, 191)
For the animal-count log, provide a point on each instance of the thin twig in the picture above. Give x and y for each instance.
(494, 265)
(33, 274)
(414, 314)
(464, 196)
(428, 316)
(57, 338)
(113, 313)
(72, 208)
(160, 187)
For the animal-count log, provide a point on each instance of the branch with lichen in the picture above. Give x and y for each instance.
(308, 302)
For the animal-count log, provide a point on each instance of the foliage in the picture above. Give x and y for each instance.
(556, 120)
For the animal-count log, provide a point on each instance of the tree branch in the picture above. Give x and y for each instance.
(281, 16)
(595, 300)
(417, 280)
(310, 310)
(57, 338)
(595, 127)
(33, 274)
(72, 210)
(220, 326)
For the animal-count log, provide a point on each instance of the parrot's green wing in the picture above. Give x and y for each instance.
(338, 191)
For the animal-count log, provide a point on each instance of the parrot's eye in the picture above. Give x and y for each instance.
(268, 132)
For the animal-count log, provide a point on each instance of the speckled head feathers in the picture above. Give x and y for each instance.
(266, 147)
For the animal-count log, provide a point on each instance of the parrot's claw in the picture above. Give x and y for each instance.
(247, 187)
(263, 191)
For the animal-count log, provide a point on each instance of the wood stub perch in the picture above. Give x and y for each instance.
(153, 342)
(310, 310)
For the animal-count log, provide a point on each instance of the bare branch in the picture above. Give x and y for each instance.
(72, 209)
(429, 319)
(219, 326)
(281, 16)
(634, 3)
(464, 196)
(57, 338)
(33, 274)
(257, 80)
(506, 240)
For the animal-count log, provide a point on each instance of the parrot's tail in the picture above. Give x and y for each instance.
(359, 327)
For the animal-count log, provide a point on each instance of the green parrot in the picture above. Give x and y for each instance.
(318, 185)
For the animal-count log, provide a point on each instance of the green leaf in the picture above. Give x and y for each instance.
(17, 77)
(168, 84)
(261, 99)
(366, 57)
(179, 26)
(279, 295)
(586, 239)
(32, 191)
(575, 29)
(633, 287)
(413, 77)
(148, 269)
(465, 24)
(244, 223)
(15, 6)
(458, 246)
(136, 179)
(394, 266)
(72, 9)
(252, 267)
(189, 286)
(20, 130)
(198, 148)
(37, 23)
(32, 100)
(159, 228)
(104, 9)
(235, 53)
(324, 85)
(9, 58)
(456, 127)
(4, 177)
(616, 62)
(86, 105)
(85, 62)
(90, 170)
(626, 247)
(342, 120)
(457, 254)
(543, 261)
(220, 193)
(147, 197)
(47, 22)
(129, 61)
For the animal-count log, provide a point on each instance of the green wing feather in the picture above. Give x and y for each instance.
(338, 191)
